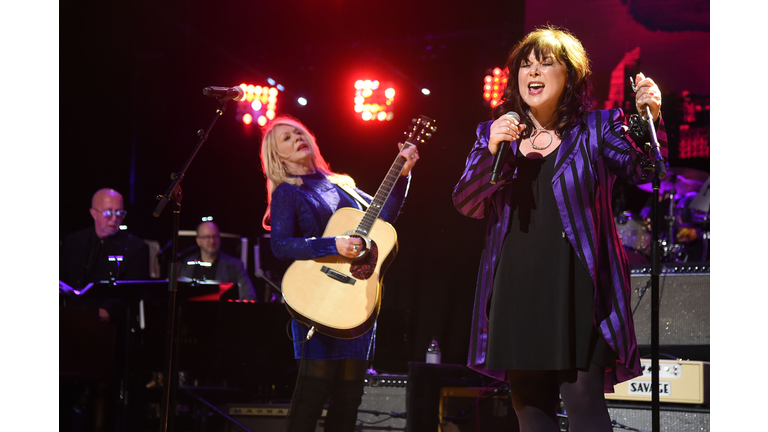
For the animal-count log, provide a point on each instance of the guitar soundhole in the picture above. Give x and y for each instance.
(364, 268)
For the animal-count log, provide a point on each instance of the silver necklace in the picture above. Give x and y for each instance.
(537, 128)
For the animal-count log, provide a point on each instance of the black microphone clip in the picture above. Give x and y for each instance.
(224, 94)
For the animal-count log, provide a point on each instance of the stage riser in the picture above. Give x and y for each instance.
(669, 421)
(683, 309)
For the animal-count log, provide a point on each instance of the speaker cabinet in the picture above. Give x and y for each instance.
(683, 309)
(260, 417)
(671, 418)
(383, 408)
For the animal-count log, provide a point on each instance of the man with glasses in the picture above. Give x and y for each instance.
(100, 252)
(213, 264)
(103, 252)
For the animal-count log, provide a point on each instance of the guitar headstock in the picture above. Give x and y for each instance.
(421, 130)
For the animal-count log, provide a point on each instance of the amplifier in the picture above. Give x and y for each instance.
(382, 408)
(260, 417)
(679, 382)
(383, 405)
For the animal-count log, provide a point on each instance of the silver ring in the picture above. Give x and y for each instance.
(354, 248)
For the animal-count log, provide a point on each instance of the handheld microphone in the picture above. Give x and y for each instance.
(501, 153)
(225, 93)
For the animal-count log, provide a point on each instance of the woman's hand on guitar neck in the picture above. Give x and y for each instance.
(349, 247)
(411, 155)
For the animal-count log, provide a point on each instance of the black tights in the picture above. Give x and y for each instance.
(535, 396)
(342, 380)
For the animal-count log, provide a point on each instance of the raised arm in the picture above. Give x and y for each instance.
(471, 196)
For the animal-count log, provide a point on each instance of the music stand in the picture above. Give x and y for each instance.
(133, 292)
(155, 290)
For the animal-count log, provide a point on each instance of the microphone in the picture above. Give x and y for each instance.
(501, 153)
(225, 93)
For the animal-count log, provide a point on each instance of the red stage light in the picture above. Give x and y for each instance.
(259, 102)
(494, 85)
(373, 103)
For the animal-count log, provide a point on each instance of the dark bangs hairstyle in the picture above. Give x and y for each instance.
(576, 99)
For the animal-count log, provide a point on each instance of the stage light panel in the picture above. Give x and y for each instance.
(493, 86)
(260, 102)
(374, 99)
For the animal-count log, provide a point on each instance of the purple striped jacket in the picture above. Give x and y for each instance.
(592, 154)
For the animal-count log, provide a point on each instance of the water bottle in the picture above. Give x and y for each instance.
(433, 352)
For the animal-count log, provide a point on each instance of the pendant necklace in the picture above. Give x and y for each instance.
(537, 129)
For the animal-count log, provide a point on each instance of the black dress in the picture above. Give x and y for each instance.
(542, 301)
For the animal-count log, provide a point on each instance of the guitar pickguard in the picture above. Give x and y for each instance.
(364, 268)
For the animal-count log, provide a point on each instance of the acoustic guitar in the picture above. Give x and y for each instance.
(338, 296)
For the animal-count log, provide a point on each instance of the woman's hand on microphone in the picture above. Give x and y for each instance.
(648, 93)
(504, 128)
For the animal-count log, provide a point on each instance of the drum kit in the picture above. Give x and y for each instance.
(683, 220)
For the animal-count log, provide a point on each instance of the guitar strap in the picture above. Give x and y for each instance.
(353, 193)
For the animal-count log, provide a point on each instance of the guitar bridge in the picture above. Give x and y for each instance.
(339, 276)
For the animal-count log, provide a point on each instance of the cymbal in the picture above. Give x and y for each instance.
(681, 180)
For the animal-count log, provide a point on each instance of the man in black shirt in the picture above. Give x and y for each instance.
(103, 252)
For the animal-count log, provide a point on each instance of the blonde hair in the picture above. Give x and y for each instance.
(275, 171)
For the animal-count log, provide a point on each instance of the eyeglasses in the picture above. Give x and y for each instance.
(108, 213)
(209, 237)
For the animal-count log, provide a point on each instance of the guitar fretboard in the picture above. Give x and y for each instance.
(374, 210)
(422, 129)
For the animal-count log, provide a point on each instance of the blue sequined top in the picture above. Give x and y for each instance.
(298, 217)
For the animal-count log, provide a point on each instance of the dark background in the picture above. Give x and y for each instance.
(132, 75)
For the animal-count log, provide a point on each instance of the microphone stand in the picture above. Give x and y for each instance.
(174, 194)
(661, 172)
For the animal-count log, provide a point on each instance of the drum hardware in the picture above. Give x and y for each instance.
(670, 218)
(635, 235)
(687, 216)
(682, 180)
